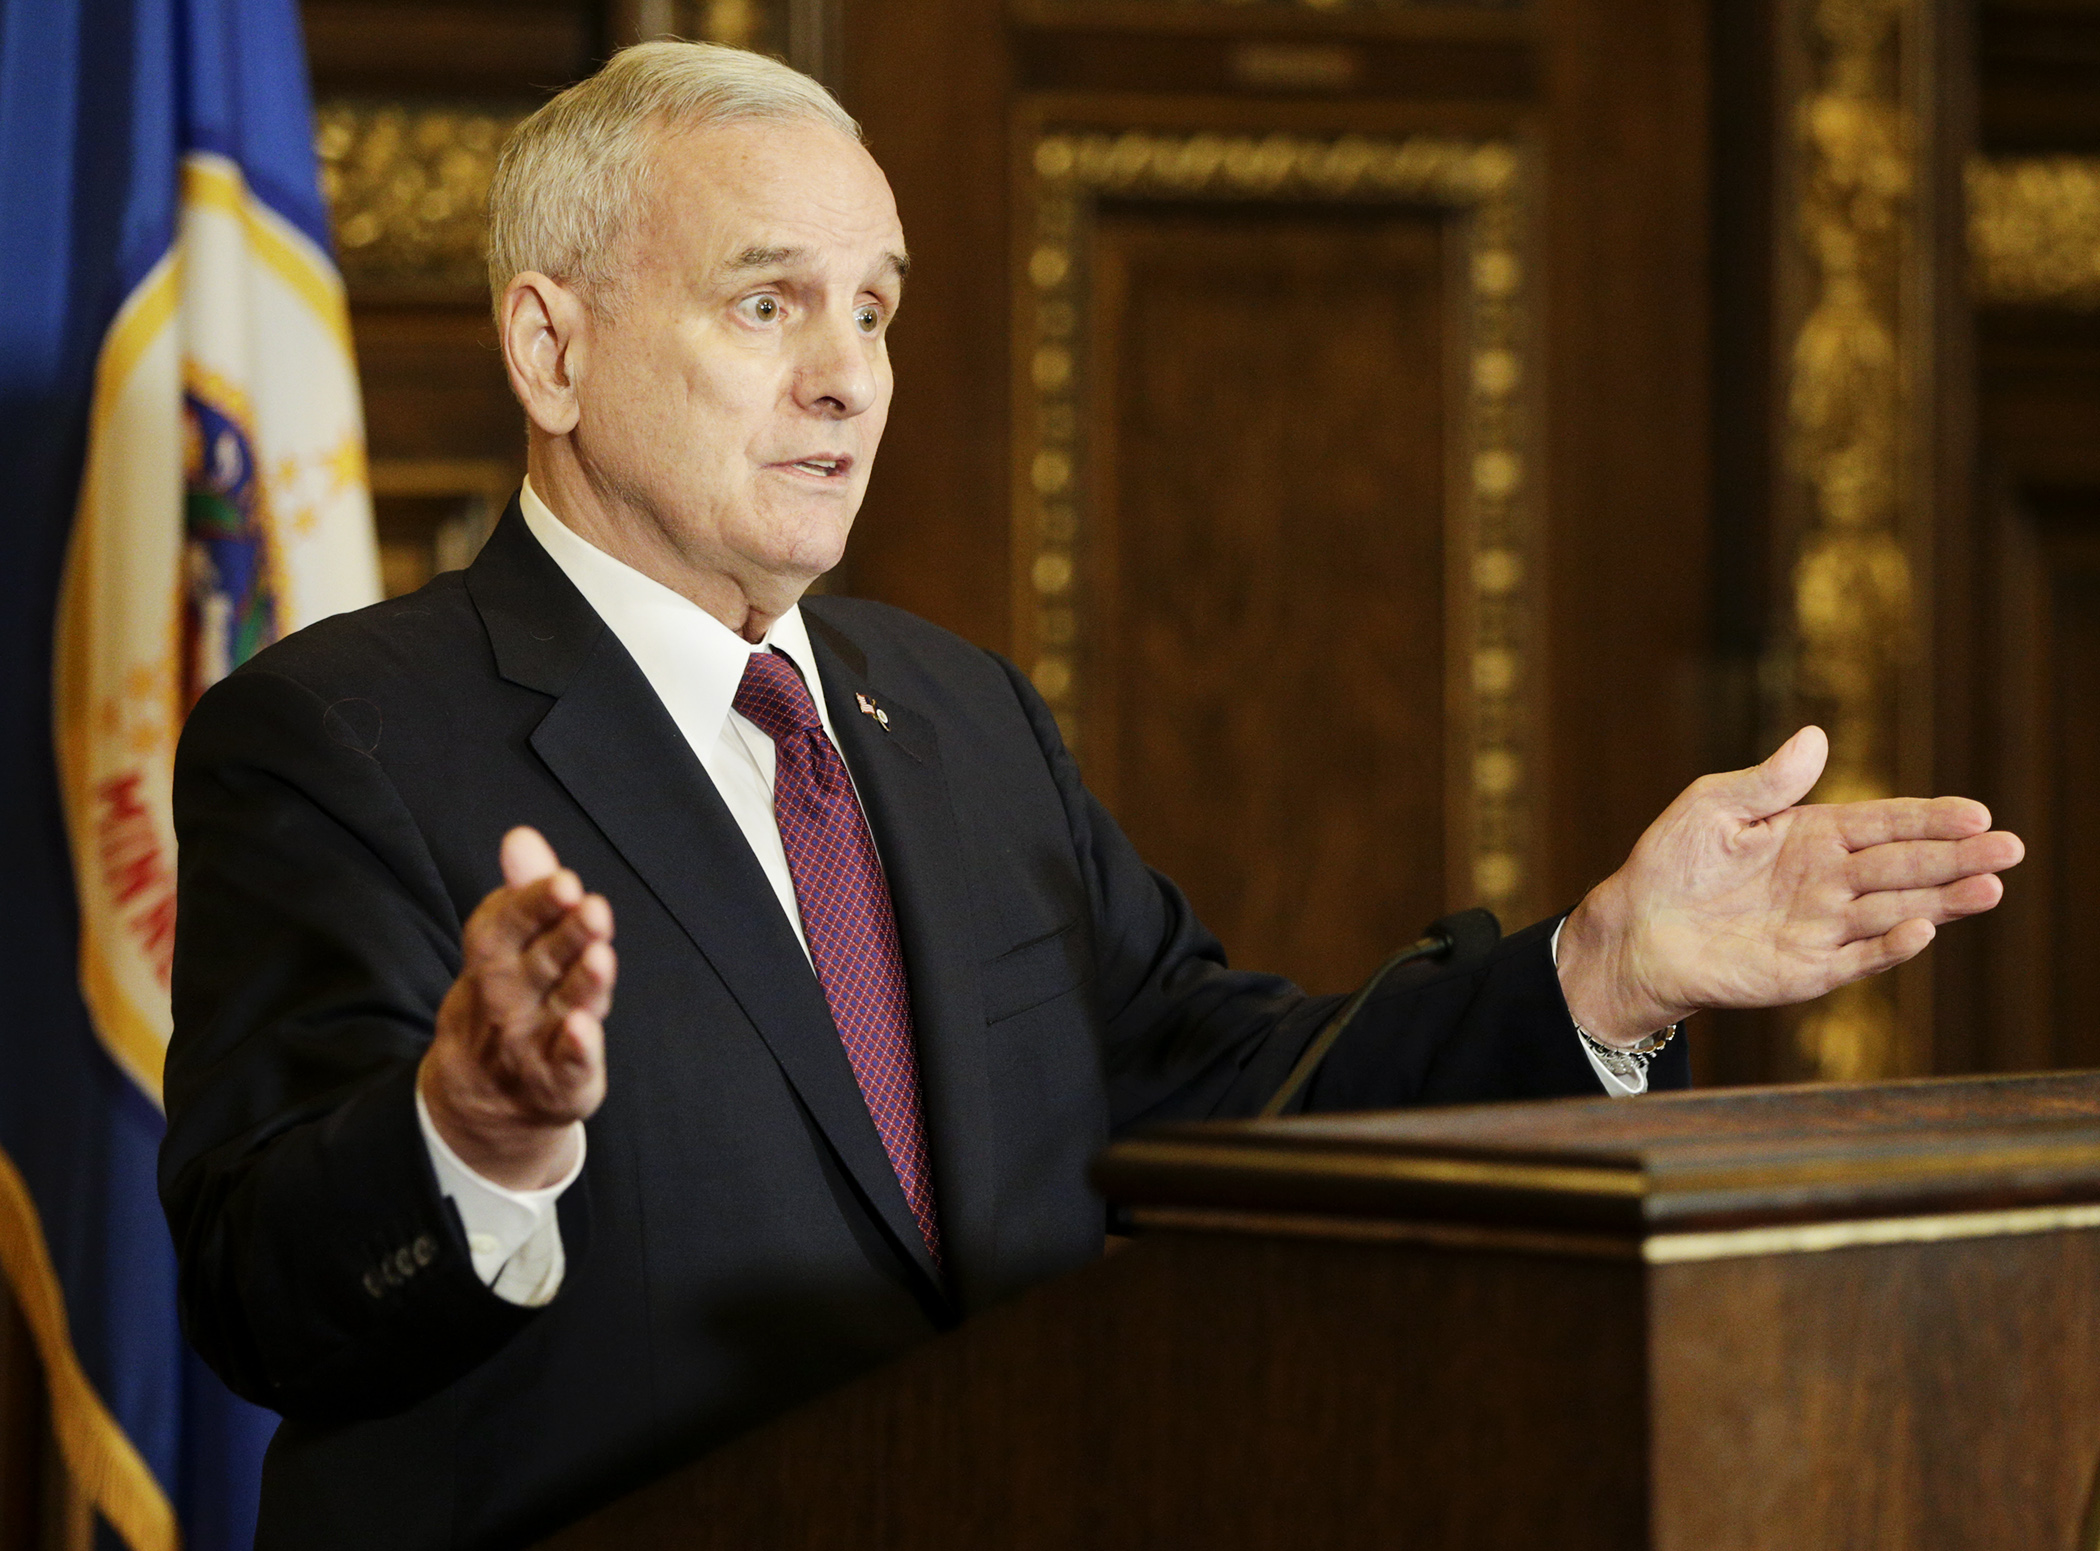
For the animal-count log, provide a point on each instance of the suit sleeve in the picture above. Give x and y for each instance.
(322, 1272)
(1188, 1037)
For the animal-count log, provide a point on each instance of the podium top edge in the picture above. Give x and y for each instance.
(1724, 1158)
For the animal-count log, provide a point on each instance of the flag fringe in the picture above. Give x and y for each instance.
(103, 1462)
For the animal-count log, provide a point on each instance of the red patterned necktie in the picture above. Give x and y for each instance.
(846, 917)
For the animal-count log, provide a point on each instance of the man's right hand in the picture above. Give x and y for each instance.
(519, 1055)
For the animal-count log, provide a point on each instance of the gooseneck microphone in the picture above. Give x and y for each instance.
(1458, 941)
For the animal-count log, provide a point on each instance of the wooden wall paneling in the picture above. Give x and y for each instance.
(456, 48)
(928, 79)
(2034, 717)
(2071, 735)
(2039, 61)
(1277, 557)
(1625, 244)
(1743, 720)
(2034, 211)
(1274, 529)
(2046, 692)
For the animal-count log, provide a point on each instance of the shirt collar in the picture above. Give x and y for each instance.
(692, 660)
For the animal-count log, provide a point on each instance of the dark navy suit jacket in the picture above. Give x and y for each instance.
(737, 1241)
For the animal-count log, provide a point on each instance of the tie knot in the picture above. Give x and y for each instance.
(774, 697)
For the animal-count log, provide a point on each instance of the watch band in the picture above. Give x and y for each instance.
(1628, 1063)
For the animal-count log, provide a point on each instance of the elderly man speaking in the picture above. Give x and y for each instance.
(500, 1236)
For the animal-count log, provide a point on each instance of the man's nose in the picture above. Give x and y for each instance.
(837, 372)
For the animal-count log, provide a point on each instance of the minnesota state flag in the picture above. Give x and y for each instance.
(183, 463)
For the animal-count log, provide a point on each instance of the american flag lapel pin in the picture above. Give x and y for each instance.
(870, 708)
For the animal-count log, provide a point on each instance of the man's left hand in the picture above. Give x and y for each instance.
(1736, 897)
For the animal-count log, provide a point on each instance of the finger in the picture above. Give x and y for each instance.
(548, 957)
(526, 857)
(1863, 824)
(1780, 782)
(512, 917)
(560, 1074)
(578, 1056)
(1871, 955)
(587, 986)
(1877, 914)
(1915, 864)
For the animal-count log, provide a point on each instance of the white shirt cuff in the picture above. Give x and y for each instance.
(513, 1235)
(1615, 1085)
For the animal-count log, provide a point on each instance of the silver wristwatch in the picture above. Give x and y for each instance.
(1628, 1063)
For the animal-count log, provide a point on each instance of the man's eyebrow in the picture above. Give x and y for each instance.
(899, 264)
(764, 258)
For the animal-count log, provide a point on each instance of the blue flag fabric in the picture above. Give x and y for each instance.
(181, 441)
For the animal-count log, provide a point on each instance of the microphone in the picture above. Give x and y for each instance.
(1464, 939)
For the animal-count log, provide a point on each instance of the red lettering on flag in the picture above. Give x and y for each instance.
(134, 869)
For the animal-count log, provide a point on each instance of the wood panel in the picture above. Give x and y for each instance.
(1627, 421)
(1269, 557)
(1217, 1391)
(2033, 720)
(450, 47)
(1939, 1396)
(2039, 68)
(930, 81)
(2043, 686)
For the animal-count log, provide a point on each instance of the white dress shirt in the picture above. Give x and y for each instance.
(694, 663)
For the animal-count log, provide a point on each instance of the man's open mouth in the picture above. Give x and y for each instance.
(836, 467)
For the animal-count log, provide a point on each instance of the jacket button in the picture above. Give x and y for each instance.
(373, 1285)
(426, 1249)
(404, 1263)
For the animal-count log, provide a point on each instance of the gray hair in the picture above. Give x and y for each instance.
(571, 176)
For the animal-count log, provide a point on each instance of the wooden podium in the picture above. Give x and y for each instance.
(1812, 1317)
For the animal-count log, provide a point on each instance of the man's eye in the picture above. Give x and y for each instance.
(760, 309)
(868, 318)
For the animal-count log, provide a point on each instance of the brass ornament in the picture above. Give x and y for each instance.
(2034, 231)
(1848, 406)
(408, 189)
(1493, 527)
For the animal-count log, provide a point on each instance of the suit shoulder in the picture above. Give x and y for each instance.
(401, 638)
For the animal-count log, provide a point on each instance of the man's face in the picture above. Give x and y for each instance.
(732, 396)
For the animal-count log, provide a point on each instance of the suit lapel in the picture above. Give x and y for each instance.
(611, 743)
(897, 769)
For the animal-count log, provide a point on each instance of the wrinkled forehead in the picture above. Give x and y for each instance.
(752, 195)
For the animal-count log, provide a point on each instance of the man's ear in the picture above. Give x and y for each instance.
(542, 328)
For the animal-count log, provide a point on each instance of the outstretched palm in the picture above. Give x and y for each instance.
(1736, 897)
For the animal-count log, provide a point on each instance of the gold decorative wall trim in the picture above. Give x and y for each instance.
(408, 189)
(2034, 231)
(1492, 525)
(1850, 409)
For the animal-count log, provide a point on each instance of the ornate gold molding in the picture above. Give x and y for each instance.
(1849, 411)
(2034, 231)
(1492, 524)
(408, 187)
